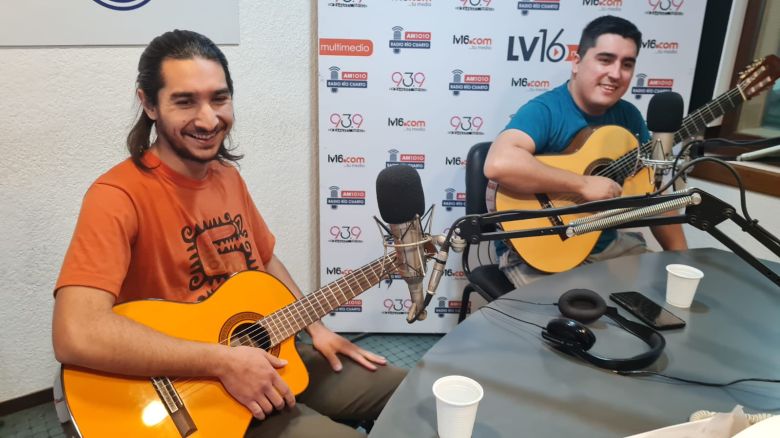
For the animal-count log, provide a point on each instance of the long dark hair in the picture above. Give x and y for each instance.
(177, 44)
(608, 24)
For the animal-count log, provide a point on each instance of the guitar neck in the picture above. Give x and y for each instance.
(293, 318)
(694, 123)
(697, 121)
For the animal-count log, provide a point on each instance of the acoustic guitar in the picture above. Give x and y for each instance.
(251, 308)
(609, 151)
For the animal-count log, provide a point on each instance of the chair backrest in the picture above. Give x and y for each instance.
(476, 183)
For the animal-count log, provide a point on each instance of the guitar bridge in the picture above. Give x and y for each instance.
(174, 405)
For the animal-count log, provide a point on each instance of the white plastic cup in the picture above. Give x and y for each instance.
(681, 284)
(457, 399)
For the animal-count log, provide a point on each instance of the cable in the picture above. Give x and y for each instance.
(479, 256)
(682, 152)
(697, 382)
(524, 301)
(741, 186)
(510, 316)
(743, 143)
(734, 173)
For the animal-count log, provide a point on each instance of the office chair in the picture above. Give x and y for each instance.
(487, 280)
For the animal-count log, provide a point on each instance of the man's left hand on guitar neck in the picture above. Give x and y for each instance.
(329, 344)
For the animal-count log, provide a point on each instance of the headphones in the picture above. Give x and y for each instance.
(569, 335)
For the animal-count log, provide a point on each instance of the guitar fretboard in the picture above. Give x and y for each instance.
(292, 318)
(625, 166)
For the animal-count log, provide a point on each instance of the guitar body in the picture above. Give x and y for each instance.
(113, 405)
(590, 151)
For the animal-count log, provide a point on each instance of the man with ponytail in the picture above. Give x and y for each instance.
(150, 228)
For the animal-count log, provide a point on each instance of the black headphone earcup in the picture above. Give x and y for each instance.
(582, 305)
(569, 336)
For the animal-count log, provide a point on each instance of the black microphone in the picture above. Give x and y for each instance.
(401, 203)
(664, 118)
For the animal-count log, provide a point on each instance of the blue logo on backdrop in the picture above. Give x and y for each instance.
(122, 5)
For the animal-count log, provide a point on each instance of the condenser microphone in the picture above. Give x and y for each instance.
(401, 203)
(664, 118)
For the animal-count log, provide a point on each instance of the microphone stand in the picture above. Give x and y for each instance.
(704, 213)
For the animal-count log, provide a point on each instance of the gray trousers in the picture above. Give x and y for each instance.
(354, 394)
(520, 274)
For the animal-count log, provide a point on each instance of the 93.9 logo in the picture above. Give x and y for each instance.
(474, 5)
(665, 5)
(466, 125)
(407, 81)
(397, 305)
(345, 234)
(346, 122)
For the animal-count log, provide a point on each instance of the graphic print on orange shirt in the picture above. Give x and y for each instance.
(218, 248)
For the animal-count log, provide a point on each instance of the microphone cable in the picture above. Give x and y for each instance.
(681, 172)
(696, 382)
(740, 184)
(488, 306)
(524, 301)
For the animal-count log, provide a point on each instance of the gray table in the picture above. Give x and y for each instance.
(532, 390)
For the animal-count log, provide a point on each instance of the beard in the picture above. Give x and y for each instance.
(180, 149)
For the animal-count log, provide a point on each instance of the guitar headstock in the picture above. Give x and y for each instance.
(759, 75)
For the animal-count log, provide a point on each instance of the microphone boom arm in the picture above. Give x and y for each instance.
(705, 215)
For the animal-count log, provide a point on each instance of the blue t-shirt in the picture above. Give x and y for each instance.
(553, 119)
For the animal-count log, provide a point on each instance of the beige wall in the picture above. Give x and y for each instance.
(64, 115)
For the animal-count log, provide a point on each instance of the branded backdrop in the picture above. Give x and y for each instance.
(419, 82)
(113, 22)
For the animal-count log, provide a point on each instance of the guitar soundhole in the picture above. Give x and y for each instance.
(598, 167)
(252, 335)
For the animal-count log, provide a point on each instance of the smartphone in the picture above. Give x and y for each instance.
(647, 310)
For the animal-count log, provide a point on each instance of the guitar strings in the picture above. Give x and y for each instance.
(627, 160)
(287, 310)
(347, 279)
(190, 385)
(625, 163)
(188, 388)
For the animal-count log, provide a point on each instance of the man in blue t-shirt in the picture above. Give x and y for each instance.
(601, 73)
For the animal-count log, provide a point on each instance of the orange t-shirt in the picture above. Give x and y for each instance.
(159, 234)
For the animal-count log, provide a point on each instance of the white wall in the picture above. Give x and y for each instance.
(64, 115)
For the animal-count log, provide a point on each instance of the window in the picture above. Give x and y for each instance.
(758, 117)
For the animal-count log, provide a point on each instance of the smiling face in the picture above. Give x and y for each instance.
(193, 116)
(602, 76)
